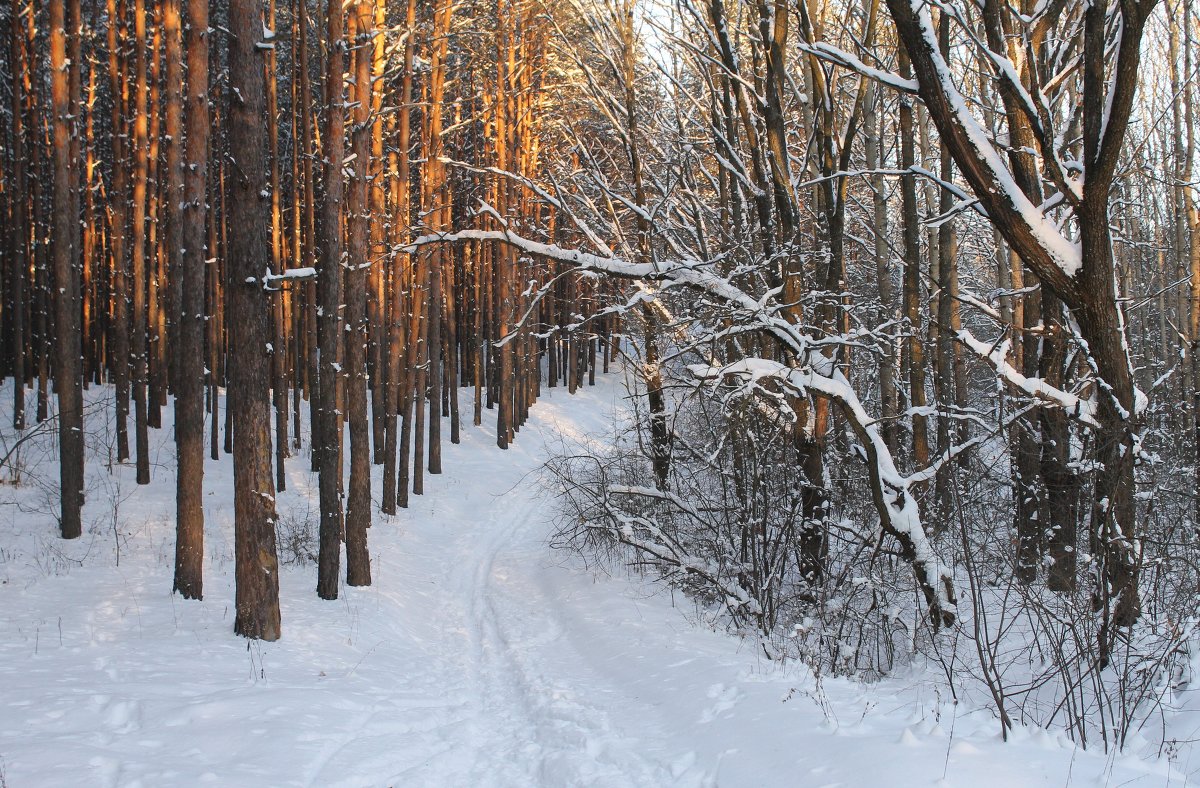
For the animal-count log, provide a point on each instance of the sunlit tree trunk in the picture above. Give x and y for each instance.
(914, 352)
(119, 358)
(358, 509)
(137, 239)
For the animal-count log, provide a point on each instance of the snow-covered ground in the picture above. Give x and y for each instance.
(479, 657)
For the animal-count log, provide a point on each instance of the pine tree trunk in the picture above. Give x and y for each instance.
(68, 376)
(138, 283)
(279, 340)
(189, 230)
(119, 359)
(328, 440)
(19, 235)
(358, 509)
(257, 570)
(406, 292)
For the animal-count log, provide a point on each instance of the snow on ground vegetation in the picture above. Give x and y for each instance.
(479, 657)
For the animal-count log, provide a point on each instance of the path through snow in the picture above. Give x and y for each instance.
(479, 657)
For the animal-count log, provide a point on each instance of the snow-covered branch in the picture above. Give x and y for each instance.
(895, 502)
(810, 373)
(996, 355)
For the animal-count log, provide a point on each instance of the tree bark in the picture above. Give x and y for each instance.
(914, 352)
(68, 376)
(328, 437)
(19, 235)
(138, 283)
(119, 358)
(189, 229)
(358, 509)
(257, 570)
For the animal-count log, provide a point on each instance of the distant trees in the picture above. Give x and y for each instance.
(219, 208)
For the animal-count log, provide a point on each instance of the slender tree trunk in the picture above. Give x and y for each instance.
(660, 434)
(257, 570)
(380, 297)
(358, 509)
(947, 322)
(212, 285)
(68, 376)
(405, 263)
(138, 284)
(309, 243)
(155, 326)
(119, 84)
(888, 396)
(279, 342)
(394, 358)
(1192, 208)
(189, 232)
(329, 299)
(914, 355)
(20, 232)
(437, 192)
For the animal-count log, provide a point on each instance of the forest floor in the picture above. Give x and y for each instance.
(479, 656)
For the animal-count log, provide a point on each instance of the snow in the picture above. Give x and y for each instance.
(297, 273)
(841, 57)
(479, 657)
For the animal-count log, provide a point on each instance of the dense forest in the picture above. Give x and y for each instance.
(908, 296)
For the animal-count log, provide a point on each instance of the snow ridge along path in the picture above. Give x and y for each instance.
(479, 657)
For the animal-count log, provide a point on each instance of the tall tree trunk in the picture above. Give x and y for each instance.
(947, 322)
(155, 326)
(328, 440)
(914, 353)
(888, 397)
(138, 326)
(660, 431)
(257, 570)
(358, 509)
(189, 231)
(119, 359)
(380, 297)
(279, 342)
(68, 375)
(404, 269)
(19, 235)
(436, 190)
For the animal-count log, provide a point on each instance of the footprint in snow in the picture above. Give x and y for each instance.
(122, 716)
(726, 698)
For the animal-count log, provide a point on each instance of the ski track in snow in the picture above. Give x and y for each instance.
(479, 657)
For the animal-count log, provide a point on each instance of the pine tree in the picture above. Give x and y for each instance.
(249, 374)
